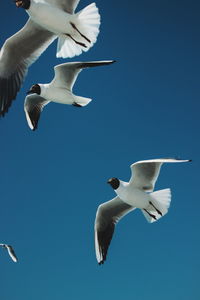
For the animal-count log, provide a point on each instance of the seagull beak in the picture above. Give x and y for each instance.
(18, 3)
(109, 181)
(30, 92)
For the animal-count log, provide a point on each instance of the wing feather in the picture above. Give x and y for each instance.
(146, 172)
(16, 55)
(33, 106)
(66, 74)
(108, 214)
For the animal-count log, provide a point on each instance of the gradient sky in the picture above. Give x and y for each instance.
(52, 180)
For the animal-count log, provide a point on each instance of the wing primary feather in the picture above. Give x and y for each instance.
(108, 214)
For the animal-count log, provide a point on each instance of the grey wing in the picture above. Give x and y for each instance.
(108, 214)
(11, 252)
(146, 172)
(33, 106)
(66, 74)
(16, 55)
(67, 5)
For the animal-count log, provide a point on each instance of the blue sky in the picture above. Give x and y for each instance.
(52, 180)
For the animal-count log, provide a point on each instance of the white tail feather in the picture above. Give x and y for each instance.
(87, 21)
(161, 200)
(82, 100)
(66, 47)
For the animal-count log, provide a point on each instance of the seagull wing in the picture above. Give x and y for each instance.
(11, 252)
(33, 106)
(16, 55)
(146, 172)
(67, 5)
(66, 74)
(108, 214)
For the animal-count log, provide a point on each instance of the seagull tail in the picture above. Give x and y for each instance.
(161, 201)
(85, 26)
(82, 101)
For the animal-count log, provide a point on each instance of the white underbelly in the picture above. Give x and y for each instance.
(135, 197)
(51, 18)
(59, 95)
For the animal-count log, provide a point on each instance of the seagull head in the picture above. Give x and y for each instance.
(23, 3)
(114, 182)
(35, 89)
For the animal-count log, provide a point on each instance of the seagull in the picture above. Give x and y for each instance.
(48, 20)
(10, 251)
(137, 193)
(59, 90)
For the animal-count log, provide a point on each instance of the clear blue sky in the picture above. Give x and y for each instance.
(52, 180)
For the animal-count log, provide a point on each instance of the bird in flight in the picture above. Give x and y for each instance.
(137, 193)
(59, 90)
(10, 251)
(48, 20)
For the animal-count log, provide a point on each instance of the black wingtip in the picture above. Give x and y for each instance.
(178, 158)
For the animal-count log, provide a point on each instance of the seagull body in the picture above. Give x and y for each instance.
(137, 193)
(59, 94)
(51, 17)
(59, 90)
(81, 28)
(10, 251)
(132, 195)
(48, 20)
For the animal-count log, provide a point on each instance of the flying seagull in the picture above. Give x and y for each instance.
(137, 193)
(48, 20)
(58, 90)
(10, 251)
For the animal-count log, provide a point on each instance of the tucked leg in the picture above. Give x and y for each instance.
(153, 216)
(79, 43)
(158, 211)
(74, 26)
(76, 104)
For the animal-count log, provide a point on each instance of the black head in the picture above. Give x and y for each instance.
(35, 89)
(114, 182)
(23, 3)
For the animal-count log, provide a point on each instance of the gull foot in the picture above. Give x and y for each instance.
(153, 216)
(79, 43)
(74, 26)
(158, 211)
(76, 104)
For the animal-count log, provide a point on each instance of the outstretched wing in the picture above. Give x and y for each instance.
(66, 74)
(67, 5)
(108, 214)
(33, 106)
(11, 252)
(146, 172)
(16, 55)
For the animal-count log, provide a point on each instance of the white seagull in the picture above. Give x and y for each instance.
(58, 90)
(48, 20)
(137, 193)
(10, 251)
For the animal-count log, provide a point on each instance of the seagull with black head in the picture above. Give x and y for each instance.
(48, 20)
(137, 193)
(59, 90)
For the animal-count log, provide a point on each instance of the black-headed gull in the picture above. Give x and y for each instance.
(10, 251)
(58, 90)
(48, 20)
(137, 193)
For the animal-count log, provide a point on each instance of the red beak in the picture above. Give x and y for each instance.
(18, 3)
